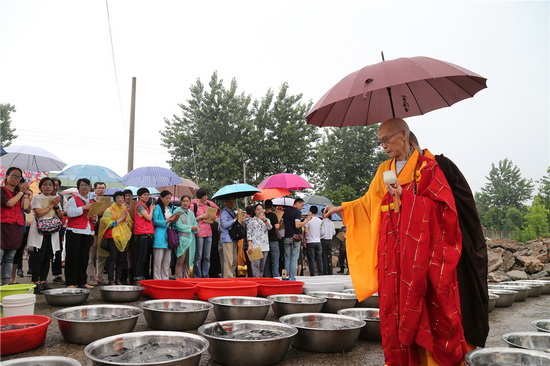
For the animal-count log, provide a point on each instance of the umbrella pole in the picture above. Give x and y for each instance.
(389, 90)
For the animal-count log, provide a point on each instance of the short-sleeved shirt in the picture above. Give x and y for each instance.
(290, 216)
(204, 227)
(313, 232)
(274, 221)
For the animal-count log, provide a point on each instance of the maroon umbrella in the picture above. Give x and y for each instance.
(401, 88)
(186, 187)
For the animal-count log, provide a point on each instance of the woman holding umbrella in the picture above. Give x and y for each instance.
(162, 219)
(15, 198)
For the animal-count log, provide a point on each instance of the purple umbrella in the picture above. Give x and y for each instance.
(151, 176)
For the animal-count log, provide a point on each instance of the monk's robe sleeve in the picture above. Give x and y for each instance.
(362, 219)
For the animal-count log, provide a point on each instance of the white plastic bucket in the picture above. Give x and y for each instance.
(18, 304)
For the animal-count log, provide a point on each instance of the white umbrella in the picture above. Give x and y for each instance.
(31, 158)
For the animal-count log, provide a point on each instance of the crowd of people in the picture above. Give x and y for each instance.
(148, 238)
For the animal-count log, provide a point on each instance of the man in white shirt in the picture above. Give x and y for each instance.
(313, 239)
(327, 232)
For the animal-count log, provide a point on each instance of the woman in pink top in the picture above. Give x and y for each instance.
(204, 236)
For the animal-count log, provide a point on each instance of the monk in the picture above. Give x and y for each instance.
(472, 268)
(403, 240)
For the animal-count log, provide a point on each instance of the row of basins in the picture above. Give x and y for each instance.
(316, 314)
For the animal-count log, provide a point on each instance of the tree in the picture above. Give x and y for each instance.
(222, 132)
(506, 188)
(544, 191)
(347, 160)
(207, 141)
(285, 142)
(7, 134)
(536, 222)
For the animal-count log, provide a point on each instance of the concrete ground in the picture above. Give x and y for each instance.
(502, 320)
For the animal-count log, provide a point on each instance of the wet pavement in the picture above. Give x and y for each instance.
(502, 320)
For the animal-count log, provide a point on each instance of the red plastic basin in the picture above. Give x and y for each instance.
(258, 280)
(168, 289)
(206, 291)
(21, 340)
(281, 288)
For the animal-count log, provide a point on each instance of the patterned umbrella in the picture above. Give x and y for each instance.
(151, 176)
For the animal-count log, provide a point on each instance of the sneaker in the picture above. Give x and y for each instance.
(20, 273)
(58, 280)
(111, 283)
(29, 273)
(38, 289)
(117, 282)
(91, 281)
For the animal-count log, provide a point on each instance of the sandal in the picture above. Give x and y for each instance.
(89, 287)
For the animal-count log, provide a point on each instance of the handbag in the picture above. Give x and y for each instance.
(48, 225)
(236, 231)
(105, 244)
(173, 238)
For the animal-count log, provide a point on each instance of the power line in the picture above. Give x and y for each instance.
(114, 65)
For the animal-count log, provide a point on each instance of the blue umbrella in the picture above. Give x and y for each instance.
(95, 173)
(2, 151)
(151, 176)
(238, 190)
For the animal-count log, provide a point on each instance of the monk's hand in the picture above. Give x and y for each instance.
(394, 189)
(330, 210)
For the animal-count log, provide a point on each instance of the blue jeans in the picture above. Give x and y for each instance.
(7, 264)
(292, 253)
(202, 257)
(315, 258)
(272, 263)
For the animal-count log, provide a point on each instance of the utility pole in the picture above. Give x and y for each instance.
(132, 125)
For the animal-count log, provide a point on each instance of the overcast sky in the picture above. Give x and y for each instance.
(56, 67)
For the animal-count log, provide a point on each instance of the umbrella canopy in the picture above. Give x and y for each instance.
(31, 176)
(134, 190)
(403, 87)
(186, 187)
(333, 217)
(151, 176)
(289, 181)
(269, 193)
(238, 190)
(317, 200)
(31, 158)
(2, 151)
(95, 173)
(285, 201)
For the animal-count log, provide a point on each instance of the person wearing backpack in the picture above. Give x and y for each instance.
(228, 218)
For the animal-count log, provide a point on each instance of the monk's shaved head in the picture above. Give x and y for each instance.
(393, 136)
(393, 125)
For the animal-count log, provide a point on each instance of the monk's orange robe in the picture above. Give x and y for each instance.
(410, 257)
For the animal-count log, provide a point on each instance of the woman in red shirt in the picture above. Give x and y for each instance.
(15, 197)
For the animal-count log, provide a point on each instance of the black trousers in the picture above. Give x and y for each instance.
(41, 265)
(116, 261)
(77, 247)
(326, 244)
(142, 245)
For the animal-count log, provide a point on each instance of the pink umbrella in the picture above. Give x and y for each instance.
(186, 187)
(403, 87)
(289, 181)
